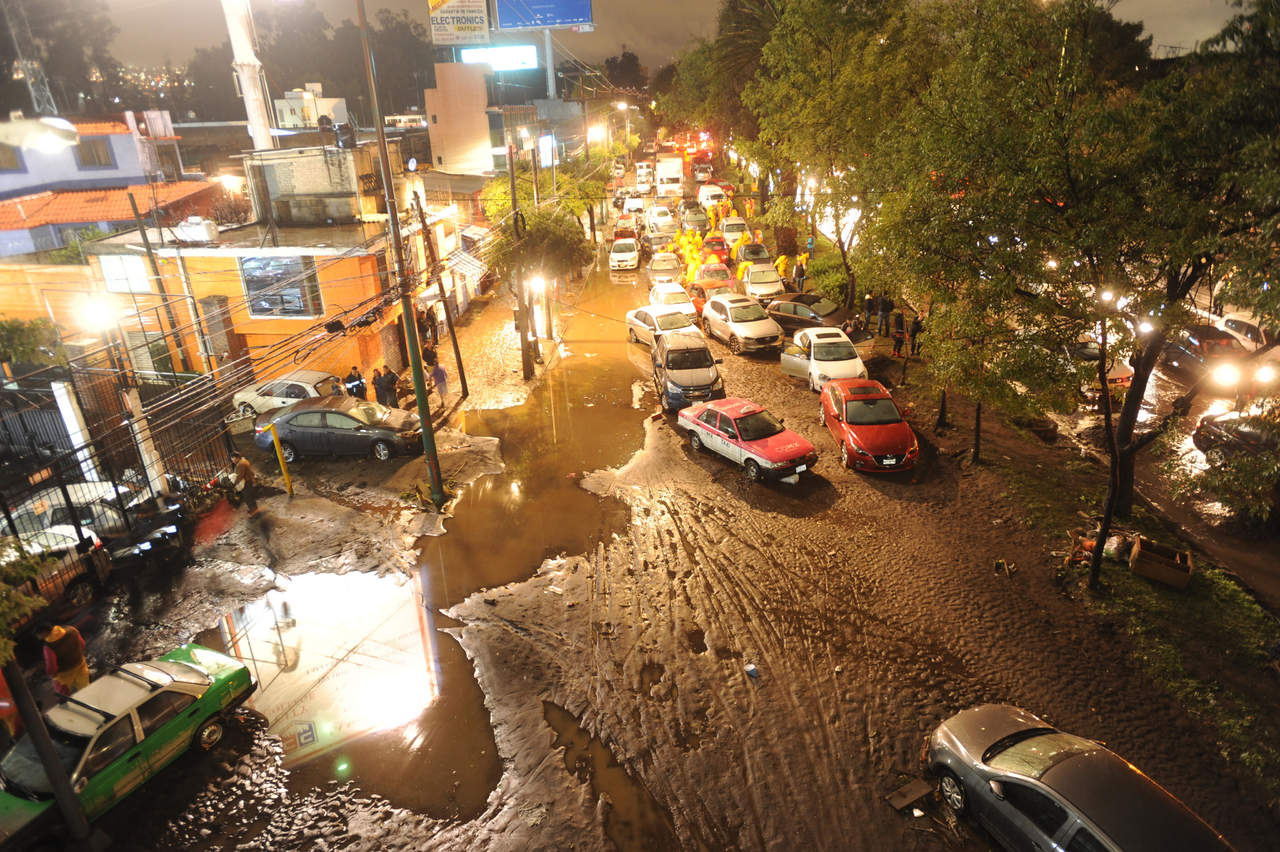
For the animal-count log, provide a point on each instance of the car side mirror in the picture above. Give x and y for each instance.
(782, 420)
(997, 789)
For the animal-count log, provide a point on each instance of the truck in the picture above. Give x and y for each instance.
(670, 172)
(644, 177)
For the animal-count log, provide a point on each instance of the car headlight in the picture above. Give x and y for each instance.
(860, 451)
(672, 387)
(1265, 375)
(1226, 375)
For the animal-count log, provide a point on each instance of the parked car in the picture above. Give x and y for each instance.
(655, 242)
(741, 323)
(665, 268)
(752, 253)
(285, 390)
(748, 435)
(1201, 349)
(340, 426)
(733, 227)
(675, 296)
(1236, 432)
(657, 216)
(650, 321)
(703, 289)
(634, 202)
(1119, 371)
(702, 172)
(620, 197)
(684, 371)
(794, 311)
(714, 246)
(105, 510)
(819, 355)
(694, 220)
(1249, 332)
(714, 272)
(628, 222)
(624, 254)
(687, 205)
(74, 569)
(762, 282)
(118, 732)
(710, 195)
(868, 426)
(1035, 787)
(619, 168)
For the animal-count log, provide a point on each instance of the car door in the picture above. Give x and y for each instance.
(713, 316)
(784, 314)
(114, 765)
(346, 435)
(168, 720)
(307, 433)
(805, 317)
(271, 395)
(794, 361)
(707, 424)
(644, 327)
(733, 449)
(833, 413)
(1024, 817)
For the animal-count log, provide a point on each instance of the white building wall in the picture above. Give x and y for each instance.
(456, 119)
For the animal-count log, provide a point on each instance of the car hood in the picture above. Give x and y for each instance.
(399, 420)
(693, 378)
(216, 665)
(781, 447)
(890, 439)
(764, 289)
(977, 728)
(851, 369)
(758, 328)
(16, 813)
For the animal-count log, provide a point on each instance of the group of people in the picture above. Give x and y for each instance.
(892, 323)
(386, 380)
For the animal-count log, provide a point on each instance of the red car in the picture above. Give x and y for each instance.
(705, 288)
(716, 247)
(748, 435)
(868, 426)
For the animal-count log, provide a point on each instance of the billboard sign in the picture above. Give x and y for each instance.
(455, 22)
(537, 14)
(547, 149)
(506, 57)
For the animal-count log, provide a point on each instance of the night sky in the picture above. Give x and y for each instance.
(154, 30)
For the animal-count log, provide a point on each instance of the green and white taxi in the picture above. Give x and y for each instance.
(117, 732)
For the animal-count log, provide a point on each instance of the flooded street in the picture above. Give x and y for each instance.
(621, 643)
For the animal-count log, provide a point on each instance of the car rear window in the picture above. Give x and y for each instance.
(747, 313)
(871, 412)
(717, 274)
(1036, 755)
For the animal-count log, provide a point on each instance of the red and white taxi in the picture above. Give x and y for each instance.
(868, 426)
(715, 249)
(747, 434)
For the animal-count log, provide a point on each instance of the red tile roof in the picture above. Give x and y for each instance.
(94, 205)
(100, 128)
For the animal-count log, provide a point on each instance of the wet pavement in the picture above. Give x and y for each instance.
(567, 666)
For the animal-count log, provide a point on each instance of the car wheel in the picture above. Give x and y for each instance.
(953, 792)
(80, 593)
(289, 452)
(844, 455)
(694, 441)
(248, 410)
(813, 387)
(208, 735)
(631, 335)
(381, 450)
(753, 470)
(735, 345)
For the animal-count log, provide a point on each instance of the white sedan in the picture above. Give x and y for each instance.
(819, 355)
(645, 323)
(673, 295)
(285, 390)
(624, 254)
(664, 268)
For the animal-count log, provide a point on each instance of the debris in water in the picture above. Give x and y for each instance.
(752, 671)
(491, 601)
(839, 669)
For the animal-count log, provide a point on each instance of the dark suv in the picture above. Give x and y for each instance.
(1200, 349)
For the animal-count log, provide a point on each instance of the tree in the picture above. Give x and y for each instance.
(553, 246)
(28, 341)
(73, 253)
(213, 91)
(70, 42)
(625, 71)
(17, 568)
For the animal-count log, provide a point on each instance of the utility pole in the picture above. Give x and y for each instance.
(517, 286)
(533, 155)
(448, 315)
(408, 316)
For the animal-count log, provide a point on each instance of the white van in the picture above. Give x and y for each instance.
(709, 195)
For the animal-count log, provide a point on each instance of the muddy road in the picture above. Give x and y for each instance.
(567, 666)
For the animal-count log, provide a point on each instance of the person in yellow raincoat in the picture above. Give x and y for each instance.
(781, 265)
(750, 204)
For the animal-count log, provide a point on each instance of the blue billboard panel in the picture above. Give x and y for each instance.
(535, 14)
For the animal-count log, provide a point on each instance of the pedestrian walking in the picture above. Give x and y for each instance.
(899, 333)
(64, 656)
(244, 481)
(885, 306)
(354, 383)
(389, 382)
(800, 272)
(429, 356)
(868, 306)
(917, 325)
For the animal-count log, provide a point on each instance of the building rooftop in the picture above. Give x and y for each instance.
(70, 207)
(319, 239)
(100, 128)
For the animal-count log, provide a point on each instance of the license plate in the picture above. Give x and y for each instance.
(890, 460)
(801, 468)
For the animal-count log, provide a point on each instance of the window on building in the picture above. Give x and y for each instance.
(94, 152)
(281, 286)
(124, 273)
(11, 159)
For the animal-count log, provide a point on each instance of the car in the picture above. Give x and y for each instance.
(709, 195)
(733, 227)
(674, 296)
(819, 355)
(687, 205)
(624, 254)
(665, 268)
(714, 272)
(749, 253)
(1035, 787)
(748, 435)
(73, 571)
(706, 288)
(657, 216)
(1249, 332)
(694, 220)
(1087, 351)
(118, 732)
(101, 508)
(650, 321)
(867, 425)
(644, 186)
(762, 282)
(655, 243)
(714, 246)
(702, 172)
(339, 426)
(285, 390)
(634, 203)
(1236, 433)
(1201, 349)
(619, 168)
(741, 323)
(794, 311)
(684, 371)
(628, 222)
(620, 197)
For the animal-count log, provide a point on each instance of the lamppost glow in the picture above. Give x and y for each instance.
(595, 133)
(1106, 295)
(622, 105)
(98, 313)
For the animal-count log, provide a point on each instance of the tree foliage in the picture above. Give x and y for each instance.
(553, 245)
(28, 341)
(17, 568)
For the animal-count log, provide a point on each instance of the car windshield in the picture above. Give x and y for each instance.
(327, 386)
(755, 251)
(871, 412)
(756, 426)
(369, 413)
(714, 244)
(673, 298)
(667, 322)
(1036, 755)
(823, 307)
(747, 313)
(765, 276)
(21, 771)
(689, 359)
(660, 213)
(717, 274)
(838, 351)
(664, 265)
(624, 247)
